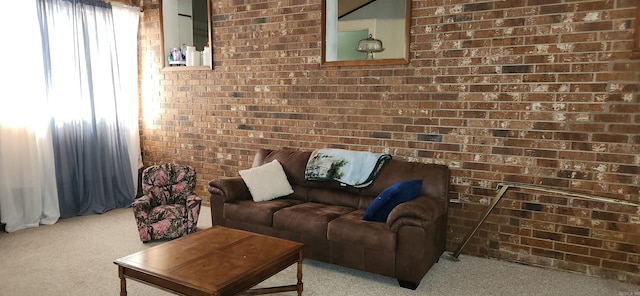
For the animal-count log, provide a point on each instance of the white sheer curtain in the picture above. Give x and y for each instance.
(124, 19)
(57, 93)
(28, 193)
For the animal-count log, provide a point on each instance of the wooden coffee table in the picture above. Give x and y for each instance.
(215, 261)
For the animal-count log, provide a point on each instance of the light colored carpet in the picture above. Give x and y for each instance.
(75, 257)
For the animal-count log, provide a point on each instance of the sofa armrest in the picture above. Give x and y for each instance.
(418, 212)
(230, 188)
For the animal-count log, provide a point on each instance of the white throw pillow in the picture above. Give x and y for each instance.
(267, 181)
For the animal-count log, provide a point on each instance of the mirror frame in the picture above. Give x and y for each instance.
(398, 61)
(210, 35)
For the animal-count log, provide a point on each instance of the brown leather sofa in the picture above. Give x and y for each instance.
(327, 217)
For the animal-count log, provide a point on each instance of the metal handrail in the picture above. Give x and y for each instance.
(502, 189)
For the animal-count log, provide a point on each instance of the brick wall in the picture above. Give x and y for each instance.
(529, 91)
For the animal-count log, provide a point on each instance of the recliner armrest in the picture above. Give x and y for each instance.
(191, 198)
(141, 208)
(231, 188)
(142, 203)
(418, 212)
(193, 201)
(193, 205)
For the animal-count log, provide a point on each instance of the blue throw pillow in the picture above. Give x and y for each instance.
(388, 199)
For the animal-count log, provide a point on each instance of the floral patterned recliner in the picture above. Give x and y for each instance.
(169, 207)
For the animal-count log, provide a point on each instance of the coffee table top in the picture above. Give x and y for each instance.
(214, 261)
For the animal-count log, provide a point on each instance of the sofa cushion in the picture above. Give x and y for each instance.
(260, 213)
(308, 218)
(388, 199)
(350, 228)
(267, 181)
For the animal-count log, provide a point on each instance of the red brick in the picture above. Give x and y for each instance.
(583, 259)
(568, 248)
(564, 265)
(584, 241)
(621, 266)
(549, 235)
(547, 253)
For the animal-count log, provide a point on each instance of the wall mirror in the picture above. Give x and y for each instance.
(186, 33)
(348, 23)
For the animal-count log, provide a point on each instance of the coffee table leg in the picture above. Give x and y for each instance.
(300, 284)
(123, 282)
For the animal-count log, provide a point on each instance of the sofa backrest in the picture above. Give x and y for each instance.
(435, 179)
(293, 162)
